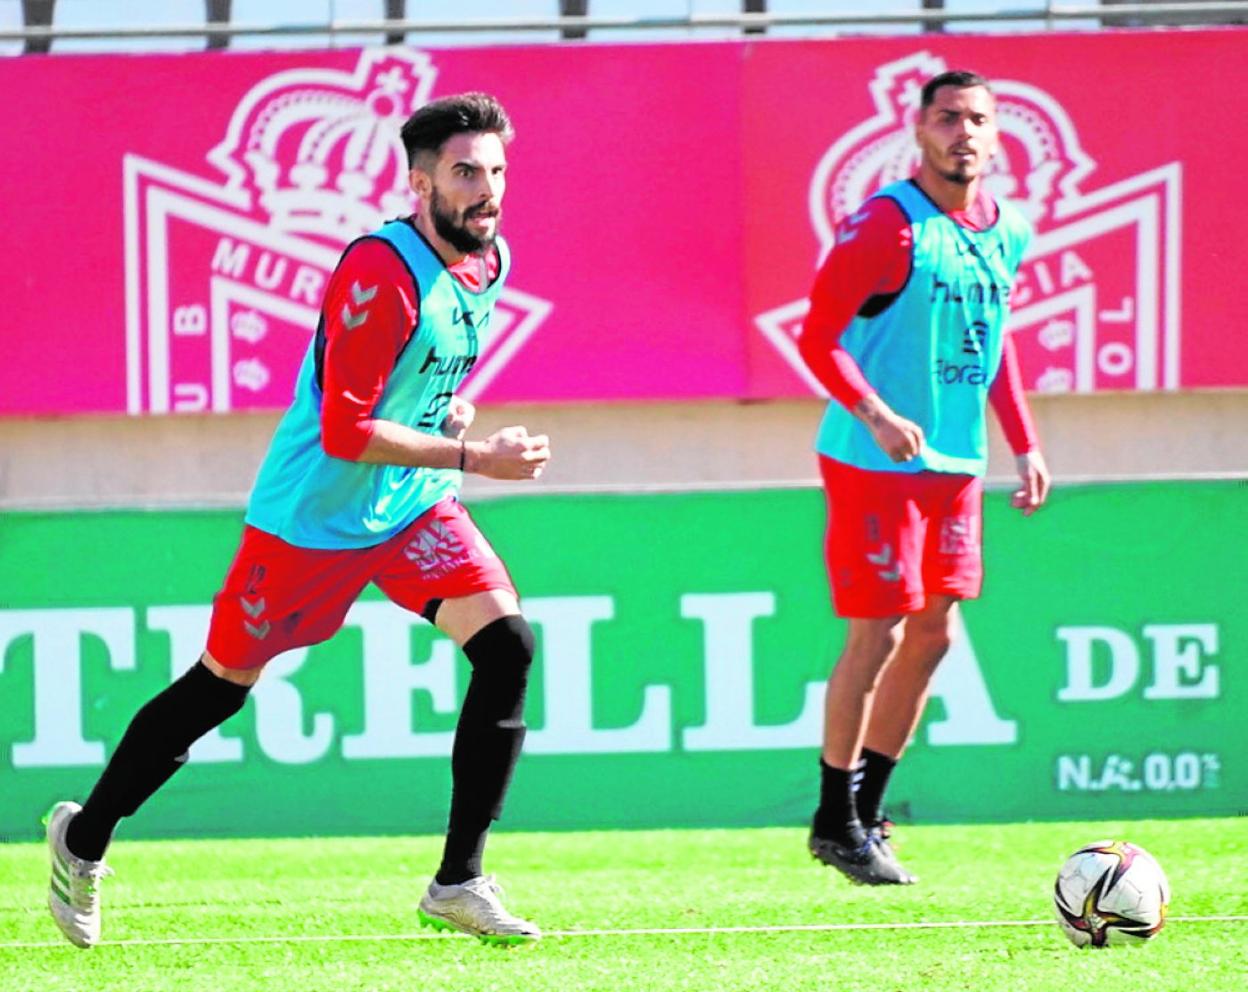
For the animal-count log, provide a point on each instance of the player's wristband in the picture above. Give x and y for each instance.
(463, 453)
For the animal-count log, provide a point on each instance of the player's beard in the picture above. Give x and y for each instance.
(963, 174)
(452, 229)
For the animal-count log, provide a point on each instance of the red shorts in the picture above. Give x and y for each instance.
(277, 596)
(895, 538)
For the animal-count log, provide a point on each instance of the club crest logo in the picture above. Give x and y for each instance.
(224, 279)
(1096, 302)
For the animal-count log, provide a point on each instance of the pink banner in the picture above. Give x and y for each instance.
(1127, 173)
(173, 219)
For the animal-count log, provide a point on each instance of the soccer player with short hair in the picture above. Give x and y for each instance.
(361, 484)
(906, 331)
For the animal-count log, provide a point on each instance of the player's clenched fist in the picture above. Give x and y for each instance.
(899, 438)
(459, 417)
(511, 453)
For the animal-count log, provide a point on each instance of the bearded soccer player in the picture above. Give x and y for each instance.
(906, 332)
(361, 485)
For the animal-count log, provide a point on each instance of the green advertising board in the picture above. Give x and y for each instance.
(683, 643)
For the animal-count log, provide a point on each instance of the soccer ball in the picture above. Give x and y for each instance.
(1111, 893)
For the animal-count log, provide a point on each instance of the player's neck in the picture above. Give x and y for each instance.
(945, 193)
(449, 254)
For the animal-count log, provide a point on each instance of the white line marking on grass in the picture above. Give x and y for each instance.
(637, 932)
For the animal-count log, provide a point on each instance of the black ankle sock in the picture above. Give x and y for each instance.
(837, 817)
(465, 846)
(153, 748)
(488, 740)
(876, 770)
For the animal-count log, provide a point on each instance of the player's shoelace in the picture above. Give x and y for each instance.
(488, 889)
(84, 883)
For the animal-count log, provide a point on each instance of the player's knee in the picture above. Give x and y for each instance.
(189, 708)
(501, 654)
(929, 642)
(872, 641)
(245, 677)
(505, 646)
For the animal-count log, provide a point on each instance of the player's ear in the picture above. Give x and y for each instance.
(419, 182)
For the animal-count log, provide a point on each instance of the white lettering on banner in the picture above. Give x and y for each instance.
(57, 652)
(390, 679)
(566, 623)
(280, 718)
(1157, 771)
(728, 619)
(959, 684)
(1179, 652)
(269, 274)
(306, 286)
(230, 258)
(1102, 663)
(1072, 270)
(1124, 663)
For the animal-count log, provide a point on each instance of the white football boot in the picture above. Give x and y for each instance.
(73, 893)
(473, 907)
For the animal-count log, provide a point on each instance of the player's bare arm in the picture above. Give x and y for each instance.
(899, 438)
(511, 453)
(871, 260)
(1033, 473)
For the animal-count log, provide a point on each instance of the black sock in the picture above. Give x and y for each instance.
(837, 816)
(876, 769)
(155, 746)
(487, 744)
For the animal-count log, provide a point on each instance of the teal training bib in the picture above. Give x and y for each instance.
(312, 500)
(934, 351)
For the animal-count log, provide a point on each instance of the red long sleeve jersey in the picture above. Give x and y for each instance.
(358, 361)
(869, 264)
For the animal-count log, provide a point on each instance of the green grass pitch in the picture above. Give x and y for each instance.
(303, 915)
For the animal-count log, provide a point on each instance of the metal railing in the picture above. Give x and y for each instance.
(575, 26)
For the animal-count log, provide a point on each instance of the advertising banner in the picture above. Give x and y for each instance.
(683, 643)
(172, 219)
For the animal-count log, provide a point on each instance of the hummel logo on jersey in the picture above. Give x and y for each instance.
(991, 293)
(253, 608)
(849, 227)
(462, 316)
(447, 365)
(882, 559)
(350, 319)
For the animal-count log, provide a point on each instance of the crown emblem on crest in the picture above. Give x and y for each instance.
(1040, 162)
(1095, 302)
(318, 151)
